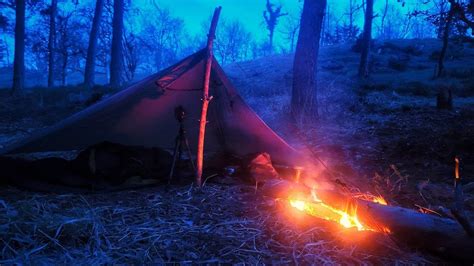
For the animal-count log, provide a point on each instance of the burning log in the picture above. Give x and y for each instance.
(430, 232)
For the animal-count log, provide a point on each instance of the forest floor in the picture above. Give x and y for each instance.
(384, 135)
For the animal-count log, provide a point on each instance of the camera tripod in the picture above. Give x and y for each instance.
(180, 141)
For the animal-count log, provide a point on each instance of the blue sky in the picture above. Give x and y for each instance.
(249, 12)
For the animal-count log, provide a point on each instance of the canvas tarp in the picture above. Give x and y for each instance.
(143, 114)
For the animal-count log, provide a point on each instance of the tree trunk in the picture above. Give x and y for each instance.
(7, 49)
(206, 99)
(89, 72)
(270, 43)
(64, 70)
(351, 18)
(382, 23)
(366, 39)
(304, 101)
(19, 57)
(52, 42)
(116, 60)
(442, 54)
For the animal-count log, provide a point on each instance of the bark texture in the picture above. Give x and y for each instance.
(206, 98)
(304, 103)
(19, 57)
(116, 60)
(447, 28)
(366, 39)
(52, 42)
(89, 72)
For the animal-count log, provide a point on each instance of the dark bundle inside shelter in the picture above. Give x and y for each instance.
(99, 167)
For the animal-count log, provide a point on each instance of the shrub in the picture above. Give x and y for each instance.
(416, 88)
(357, 47)
(435, 55)
(466, 89)
(398, 63)
(412, 50)
(461, 73)
(374, 87)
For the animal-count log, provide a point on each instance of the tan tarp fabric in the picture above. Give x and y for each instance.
(143, 114)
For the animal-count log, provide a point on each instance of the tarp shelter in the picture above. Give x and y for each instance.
(143, 114)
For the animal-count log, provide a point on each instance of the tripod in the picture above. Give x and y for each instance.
(179, 142)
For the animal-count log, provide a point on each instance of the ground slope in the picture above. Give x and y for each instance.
(384, 135)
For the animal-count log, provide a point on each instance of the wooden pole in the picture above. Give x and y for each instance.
(206, 98)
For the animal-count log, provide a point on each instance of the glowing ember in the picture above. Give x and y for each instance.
(380, 200)
(368, 197)
(298, 204)
(346, 218)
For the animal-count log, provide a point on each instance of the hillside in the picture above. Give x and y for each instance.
(385, 128)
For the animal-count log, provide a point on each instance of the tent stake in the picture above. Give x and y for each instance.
(206, 99)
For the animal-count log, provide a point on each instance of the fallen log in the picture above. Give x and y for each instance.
(418, 230)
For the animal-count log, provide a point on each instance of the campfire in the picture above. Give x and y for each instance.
(347, 217)
(366, 212)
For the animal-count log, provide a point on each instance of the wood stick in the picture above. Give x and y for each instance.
(458, 207)
(206, 99)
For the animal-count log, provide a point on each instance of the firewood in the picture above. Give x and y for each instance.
(441, 235)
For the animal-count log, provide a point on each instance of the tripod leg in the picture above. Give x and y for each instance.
(189, 153)
(175, 159)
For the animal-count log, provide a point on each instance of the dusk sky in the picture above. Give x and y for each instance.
(249, 12)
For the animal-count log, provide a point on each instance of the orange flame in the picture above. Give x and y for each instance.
(346, 218)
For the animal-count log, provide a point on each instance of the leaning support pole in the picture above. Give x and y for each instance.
(206, 98)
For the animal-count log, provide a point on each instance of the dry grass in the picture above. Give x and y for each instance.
(221, 224)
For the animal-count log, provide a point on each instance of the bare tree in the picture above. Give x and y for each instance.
(89, 72)
(19, 57)
(353, 9)
(5, 51)
(382, 20)
(131, 55)
(366, 39)
(304, 100)
(272, 16)
(459, 11)
(162, 37)
(441, 6)
(104, 41)
(116, 60)
(233, 42)
(69, 46)
(292, 26)
(52, 41)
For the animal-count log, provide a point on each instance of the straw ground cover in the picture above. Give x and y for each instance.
(220, 224)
